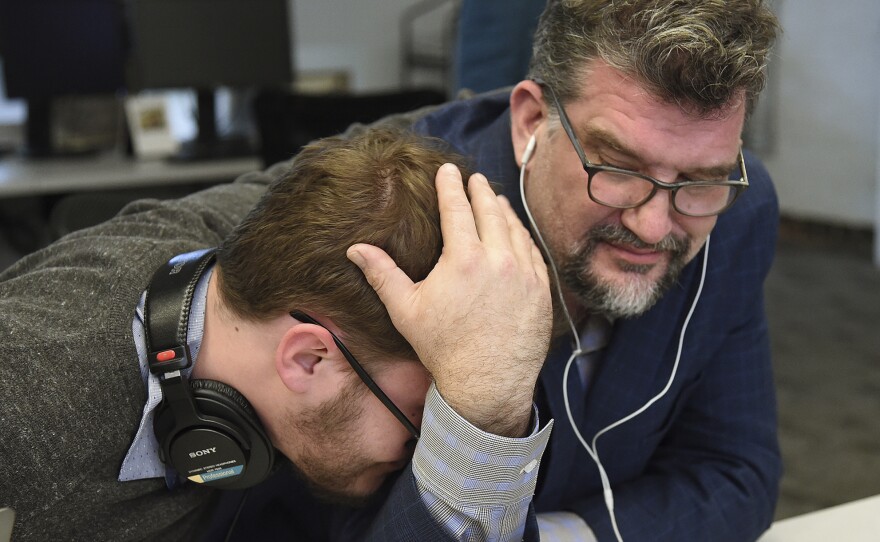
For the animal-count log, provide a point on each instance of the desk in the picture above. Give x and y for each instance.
(21, 177)
(857, 521)
(29, 190)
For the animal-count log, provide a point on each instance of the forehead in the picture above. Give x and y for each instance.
(614, 103)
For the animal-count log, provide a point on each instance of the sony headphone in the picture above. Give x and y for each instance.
(206, 430)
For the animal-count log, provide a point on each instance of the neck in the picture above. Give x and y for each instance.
(235, 351)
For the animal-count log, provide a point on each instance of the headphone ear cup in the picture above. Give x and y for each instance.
(218, 391)
(222, 444)
(215, 399)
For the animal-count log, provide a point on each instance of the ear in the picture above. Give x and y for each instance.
(527, 112)
(300, 355)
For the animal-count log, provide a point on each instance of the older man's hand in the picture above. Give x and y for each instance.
(481, 320)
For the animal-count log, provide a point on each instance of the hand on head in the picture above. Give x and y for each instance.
(480, 321)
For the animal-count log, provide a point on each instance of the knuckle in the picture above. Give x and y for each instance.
(376, 280)
(508, 263)
(471, 257)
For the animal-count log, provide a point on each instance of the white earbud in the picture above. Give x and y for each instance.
(528, 152)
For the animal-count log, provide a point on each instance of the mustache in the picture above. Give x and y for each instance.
(619, 235)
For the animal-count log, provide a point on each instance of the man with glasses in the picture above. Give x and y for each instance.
(623, 150)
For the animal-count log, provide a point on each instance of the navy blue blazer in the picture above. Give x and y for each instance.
(702, 463)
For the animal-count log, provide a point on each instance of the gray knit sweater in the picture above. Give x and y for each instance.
(72, 395)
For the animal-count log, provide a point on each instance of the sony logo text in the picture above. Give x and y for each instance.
(199, 453)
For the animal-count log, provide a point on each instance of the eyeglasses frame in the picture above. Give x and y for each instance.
(591, 169)
(362, 373)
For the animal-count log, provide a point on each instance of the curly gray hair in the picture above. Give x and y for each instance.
(699, 54)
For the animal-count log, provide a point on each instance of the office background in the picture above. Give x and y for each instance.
(818, 131)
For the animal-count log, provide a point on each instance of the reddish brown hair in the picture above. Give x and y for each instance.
(289, 252)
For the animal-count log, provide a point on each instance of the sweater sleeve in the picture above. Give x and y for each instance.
(71, 388)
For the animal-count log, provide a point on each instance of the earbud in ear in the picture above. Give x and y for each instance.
(527, 153)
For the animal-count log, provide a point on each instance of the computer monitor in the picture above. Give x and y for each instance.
(55, 48)
(206, 44)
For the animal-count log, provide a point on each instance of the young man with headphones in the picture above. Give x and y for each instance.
(216, 341)
(623, 151)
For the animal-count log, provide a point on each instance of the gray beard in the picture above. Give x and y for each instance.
(638, 293)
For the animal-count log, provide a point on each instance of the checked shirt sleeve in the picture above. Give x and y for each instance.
(476, 484)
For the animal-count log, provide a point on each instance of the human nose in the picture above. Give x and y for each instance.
(652, 220)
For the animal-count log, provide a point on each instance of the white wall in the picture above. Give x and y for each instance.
(825, 158)
(359, 36)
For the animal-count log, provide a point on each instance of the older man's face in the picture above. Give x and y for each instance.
(620, 261)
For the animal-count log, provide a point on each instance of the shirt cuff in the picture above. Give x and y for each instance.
(564, 527)
(460, 464)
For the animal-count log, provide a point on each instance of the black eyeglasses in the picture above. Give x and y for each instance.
(625, 189)
(362, 373)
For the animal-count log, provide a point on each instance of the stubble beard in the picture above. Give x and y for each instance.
(636, 293)
(328, 460)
